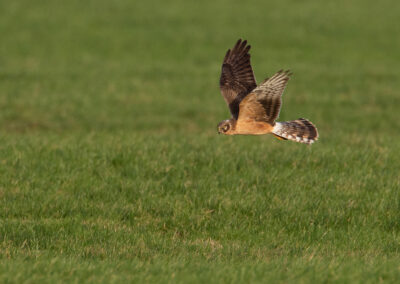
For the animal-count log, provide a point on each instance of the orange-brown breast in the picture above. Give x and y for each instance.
(251, 127)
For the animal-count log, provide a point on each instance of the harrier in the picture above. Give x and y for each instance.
(255, 108)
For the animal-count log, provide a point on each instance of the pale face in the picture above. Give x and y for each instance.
(226, 127)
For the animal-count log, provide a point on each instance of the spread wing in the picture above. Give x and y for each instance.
(237, 77)
(264, 102)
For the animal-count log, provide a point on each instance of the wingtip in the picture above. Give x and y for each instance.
(242, 46)
(289, 72)
(228, 52)
(237, 45)
(241, 41)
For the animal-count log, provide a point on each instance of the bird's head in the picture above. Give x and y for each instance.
(226, 127)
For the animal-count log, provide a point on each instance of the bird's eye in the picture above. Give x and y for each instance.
(226, 128)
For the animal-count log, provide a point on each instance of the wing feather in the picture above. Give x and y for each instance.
(264, 102)
(237, 77)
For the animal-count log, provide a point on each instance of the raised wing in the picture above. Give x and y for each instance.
(264, 102)
(237, 77)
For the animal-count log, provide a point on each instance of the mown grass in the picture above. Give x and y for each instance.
(111, 169)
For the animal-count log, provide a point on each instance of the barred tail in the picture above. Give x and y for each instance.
(299, 130)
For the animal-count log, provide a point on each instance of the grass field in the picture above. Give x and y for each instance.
(111, 169)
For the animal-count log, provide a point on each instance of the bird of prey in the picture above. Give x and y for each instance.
(255, 108)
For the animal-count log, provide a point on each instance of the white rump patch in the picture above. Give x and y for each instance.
(277, 128)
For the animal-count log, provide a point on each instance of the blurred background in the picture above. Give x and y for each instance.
(154, 66)
(110, 163)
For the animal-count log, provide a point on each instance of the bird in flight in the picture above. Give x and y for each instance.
(255, 108)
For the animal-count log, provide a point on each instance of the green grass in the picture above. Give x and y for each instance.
(111, 169)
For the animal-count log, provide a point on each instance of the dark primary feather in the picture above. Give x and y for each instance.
(264, 102)
(237, 77)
